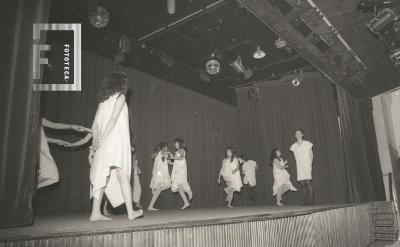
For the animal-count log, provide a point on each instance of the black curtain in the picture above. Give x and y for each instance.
(364, 175)
(159, 111)
(271, 120)
(19, 111)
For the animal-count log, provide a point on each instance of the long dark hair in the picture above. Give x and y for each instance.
(160, 146)
(182, 143)
(116, 82)
(273, 156)
(234, 152)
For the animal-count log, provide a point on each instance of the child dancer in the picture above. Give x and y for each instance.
(282, 182)
(137, 188)
(160, 180)
(179, 173)
(110, 155)
(230, 173)
(249, 168)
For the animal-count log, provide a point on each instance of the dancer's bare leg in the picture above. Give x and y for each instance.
(106, 212)
(230, 197)
(186, 203)
(96, 213)
(156, 194)
(127, 194)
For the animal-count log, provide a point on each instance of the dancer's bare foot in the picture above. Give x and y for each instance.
(280, 204)
(152, 209)
(230, 205)
(97, 217)
(185, 206)
(135, 214)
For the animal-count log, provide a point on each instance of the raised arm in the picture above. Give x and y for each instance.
(113, 120)
(49, 124)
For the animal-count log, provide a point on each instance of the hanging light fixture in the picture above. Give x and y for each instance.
(124, 45)
(171, 7)
(237, 65)
(258, 54)
(213, 67)
(298, 78)
(98, 16)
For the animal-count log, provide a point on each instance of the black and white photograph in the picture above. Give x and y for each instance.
(191, 123)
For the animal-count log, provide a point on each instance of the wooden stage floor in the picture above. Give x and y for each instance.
(54, 226)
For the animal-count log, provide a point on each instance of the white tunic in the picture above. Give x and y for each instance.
(179, 173)
(48, 173)
(233, 181)
(114, 152)
(160, 179)
(249, 171)
(281, 178)
(302, 153)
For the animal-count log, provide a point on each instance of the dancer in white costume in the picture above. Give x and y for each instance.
(161, 179)
(48, 173)
(282, 182)
(179, 173)
(303, 153)
(110, 153)
(231, 174)
(249, 168)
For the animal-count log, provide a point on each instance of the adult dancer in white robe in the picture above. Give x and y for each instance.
(110, 153)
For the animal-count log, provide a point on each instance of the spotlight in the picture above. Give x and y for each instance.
(212, 66)
(258, 54)
(280, 43)
(237, 65)
(298, 77)
(379, 22)
(98, 17)
(171, 7)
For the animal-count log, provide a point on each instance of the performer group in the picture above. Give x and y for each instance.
(114, 169)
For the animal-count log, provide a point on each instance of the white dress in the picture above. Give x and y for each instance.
(48, 173)
(160, 179)
(281, 178)
(114, 152)
(233, 181)
(303, 159)
(179, 173)
(249, 171)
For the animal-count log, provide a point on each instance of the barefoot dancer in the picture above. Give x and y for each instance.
(230, 173)
(160, 180)
(110, 154)
(179, 173)
(282, 182)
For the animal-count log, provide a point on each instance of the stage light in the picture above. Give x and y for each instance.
(171, 7)
(237, 65)
(379, 22)
(124, 45)
(98, 17)
(212, 66)
(258, 54)
(297, 79)
(280, 43)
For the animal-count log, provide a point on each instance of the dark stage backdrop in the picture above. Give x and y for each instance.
(271, 121)
(364, 174)
(19, 111)
(159, 111)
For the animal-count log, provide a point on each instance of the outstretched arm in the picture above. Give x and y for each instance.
(113, 120)
(57, 141)
(220, 173)
(49, 124)
(81, 142)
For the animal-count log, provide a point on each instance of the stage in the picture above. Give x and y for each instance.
(332, 225)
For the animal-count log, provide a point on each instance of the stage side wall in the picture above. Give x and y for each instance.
(159, 111)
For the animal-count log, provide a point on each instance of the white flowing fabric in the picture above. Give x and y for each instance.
(179, 173)
(160, 179)
(303, 159)
(48, 173)
(114, 152)
(281, 178)
(232, 180)
(249, 171)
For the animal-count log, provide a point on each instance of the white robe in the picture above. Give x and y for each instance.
(302, 154)
(115, 152)
(48, 173)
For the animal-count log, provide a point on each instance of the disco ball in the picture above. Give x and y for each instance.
(99, 17)
(213, 67)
